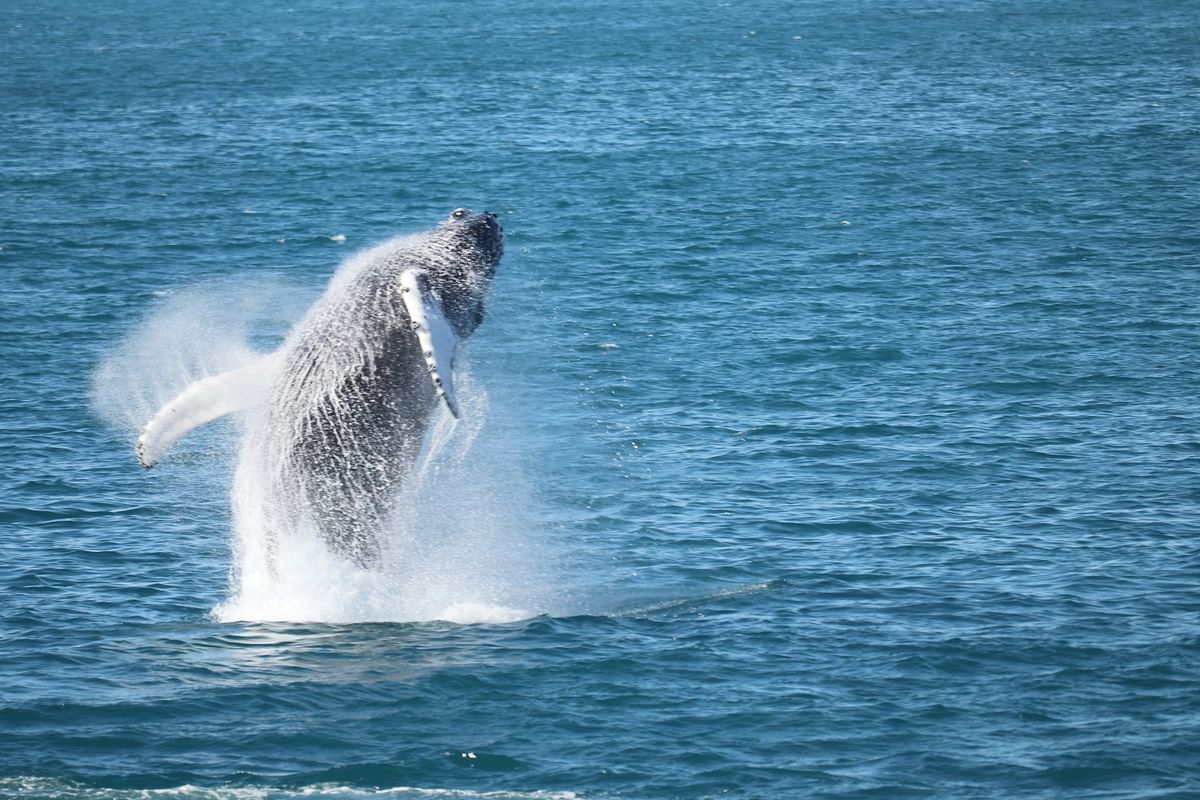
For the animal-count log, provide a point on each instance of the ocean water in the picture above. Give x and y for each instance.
(834, 430)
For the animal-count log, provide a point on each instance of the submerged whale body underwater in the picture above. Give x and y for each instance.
(342, 408)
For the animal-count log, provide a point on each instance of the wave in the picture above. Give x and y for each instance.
(44, 788)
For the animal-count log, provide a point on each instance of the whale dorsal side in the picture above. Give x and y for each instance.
(204, 401)
(434, 334)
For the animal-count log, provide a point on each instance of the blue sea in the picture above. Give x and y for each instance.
(833, 432)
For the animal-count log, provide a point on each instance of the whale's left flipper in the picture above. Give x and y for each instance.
(204, 401)
(434, 333)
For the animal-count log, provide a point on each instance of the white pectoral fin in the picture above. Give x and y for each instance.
(204, 401)
(434, 334)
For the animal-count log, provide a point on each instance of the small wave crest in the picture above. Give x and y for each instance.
(39, 788)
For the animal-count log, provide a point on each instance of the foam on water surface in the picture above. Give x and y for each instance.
(38, 788)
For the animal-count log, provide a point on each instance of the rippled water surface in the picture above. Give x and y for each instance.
(835, 426)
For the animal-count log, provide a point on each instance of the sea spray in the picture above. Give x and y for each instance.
(194, 333)
(458, 544)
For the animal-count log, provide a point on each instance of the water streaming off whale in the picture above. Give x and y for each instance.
(454, 540)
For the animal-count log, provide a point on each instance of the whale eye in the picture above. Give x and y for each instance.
(458, 213)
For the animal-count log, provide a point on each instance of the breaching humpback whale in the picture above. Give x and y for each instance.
(342, 407)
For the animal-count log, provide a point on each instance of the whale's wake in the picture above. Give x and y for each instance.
(456, 545)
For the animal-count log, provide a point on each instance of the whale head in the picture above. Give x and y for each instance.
(469, 248)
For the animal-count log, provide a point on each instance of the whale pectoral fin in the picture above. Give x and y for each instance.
(204, 401)
(434, 334)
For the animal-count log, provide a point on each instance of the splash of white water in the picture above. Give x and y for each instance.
(195, 333)
(458, 546)
(455, 548)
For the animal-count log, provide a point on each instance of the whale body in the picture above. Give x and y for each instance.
(342, 408)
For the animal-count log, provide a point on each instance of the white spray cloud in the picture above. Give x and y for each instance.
(459, 545)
